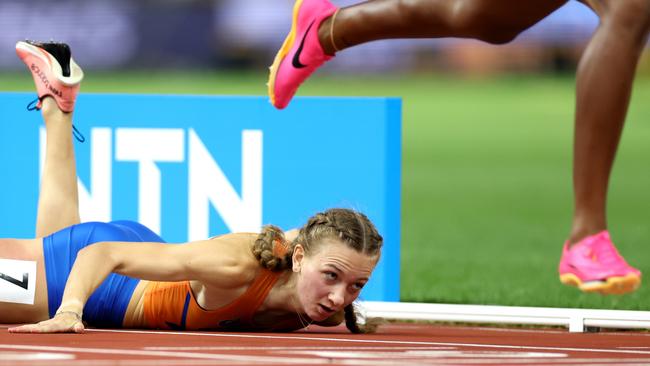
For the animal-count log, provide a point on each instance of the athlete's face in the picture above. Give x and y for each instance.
(330, 278)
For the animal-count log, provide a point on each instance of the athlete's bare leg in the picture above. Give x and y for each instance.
(604, 77)
(604, 83)
(493, 21)
(57, 208)
(58, 203)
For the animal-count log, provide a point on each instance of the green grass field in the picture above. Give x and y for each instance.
(486, 189)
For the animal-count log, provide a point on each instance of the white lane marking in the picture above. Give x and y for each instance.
(551, 361)
(376, 341)
(361, 359)
(193, 355)
(136, 362)
(127, 362)
(605, 332)
(292, 348)
(34, 356)
(535, 362)
(429, 354)
(498, 361)
(418, 353)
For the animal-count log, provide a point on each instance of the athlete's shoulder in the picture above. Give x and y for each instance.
(230, 259)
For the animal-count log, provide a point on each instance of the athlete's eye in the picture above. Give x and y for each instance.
(330, 276)
(358, 286)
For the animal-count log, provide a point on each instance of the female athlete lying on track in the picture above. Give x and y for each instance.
(121, 274)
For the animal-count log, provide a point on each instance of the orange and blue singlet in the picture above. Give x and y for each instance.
(167, 305)
(172, 305)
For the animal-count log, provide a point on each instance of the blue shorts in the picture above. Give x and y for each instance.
(107, 305)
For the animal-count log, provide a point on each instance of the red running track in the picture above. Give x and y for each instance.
(394, 344)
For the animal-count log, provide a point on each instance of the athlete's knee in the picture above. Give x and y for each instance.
(629, 17)
(474, 19)
(459, 18)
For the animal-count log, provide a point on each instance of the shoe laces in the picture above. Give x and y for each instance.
(33, 106)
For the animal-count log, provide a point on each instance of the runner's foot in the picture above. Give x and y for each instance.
(54, 71)
(594, 265)
(301, 54)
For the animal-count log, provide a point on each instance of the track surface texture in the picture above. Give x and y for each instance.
(393, 344)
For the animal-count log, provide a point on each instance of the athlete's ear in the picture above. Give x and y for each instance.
(297, 257)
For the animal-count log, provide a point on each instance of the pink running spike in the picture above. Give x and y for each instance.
(301, 53)
(48, 76)
(594, 265)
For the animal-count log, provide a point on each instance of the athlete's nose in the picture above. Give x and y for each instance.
(337, 296)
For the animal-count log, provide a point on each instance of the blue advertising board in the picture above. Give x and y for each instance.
(191, 167)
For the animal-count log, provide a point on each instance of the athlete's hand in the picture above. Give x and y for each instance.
(63, 322)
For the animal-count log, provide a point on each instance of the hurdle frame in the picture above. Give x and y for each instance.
(576, 320)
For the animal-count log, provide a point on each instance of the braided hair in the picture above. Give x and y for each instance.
(350, 227)
(263, 249)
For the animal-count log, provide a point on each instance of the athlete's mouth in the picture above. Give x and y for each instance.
(325, 309)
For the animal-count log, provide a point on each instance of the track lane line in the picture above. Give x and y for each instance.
(377, 341)
(193, 355)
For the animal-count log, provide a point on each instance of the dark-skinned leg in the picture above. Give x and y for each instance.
(304, 51)
(493, 21)
(604, 76)
(604, 83)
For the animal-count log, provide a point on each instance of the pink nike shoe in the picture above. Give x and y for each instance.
(54, 71)
(594, 265)
(301, 53)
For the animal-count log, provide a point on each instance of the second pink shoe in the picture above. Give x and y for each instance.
(301, 53)
(594, 265)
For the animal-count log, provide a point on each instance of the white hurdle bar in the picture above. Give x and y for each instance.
(577, 320)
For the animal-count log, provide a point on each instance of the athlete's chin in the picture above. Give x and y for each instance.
(321, 313)
(317, 317)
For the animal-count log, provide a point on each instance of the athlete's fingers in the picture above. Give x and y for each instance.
(50, 326)
(28, 328)
(19, 329)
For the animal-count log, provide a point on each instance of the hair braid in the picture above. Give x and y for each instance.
(263, 249)
(353, 325)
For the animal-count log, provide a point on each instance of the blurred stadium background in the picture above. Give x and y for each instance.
(487, 129)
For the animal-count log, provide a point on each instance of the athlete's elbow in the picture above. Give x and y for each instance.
(98, 255)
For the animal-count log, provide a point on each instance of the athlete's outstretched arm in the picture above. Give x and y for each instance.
(215, 261)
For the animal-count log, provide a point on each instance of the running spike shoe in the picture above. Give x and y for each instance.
(54, 71)
(301, 53)
(594, 265)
